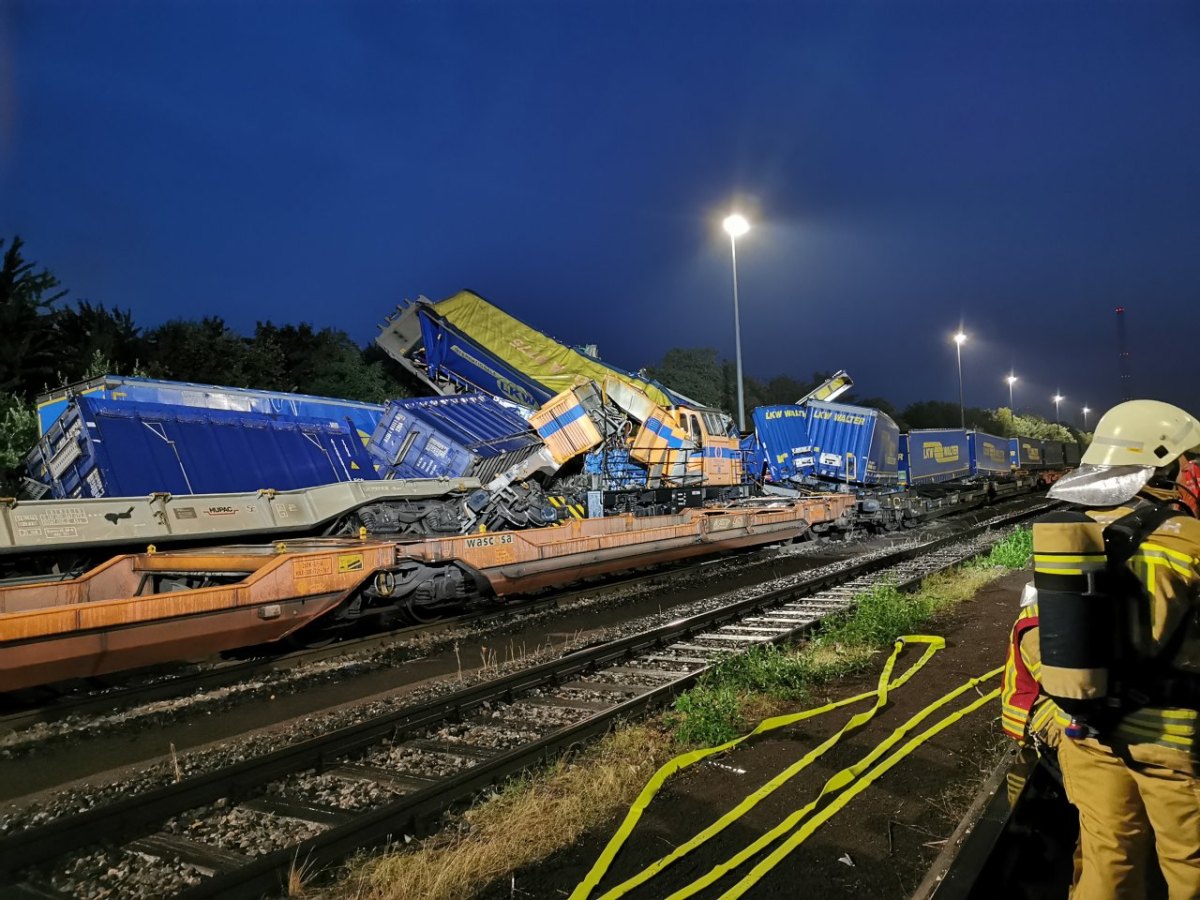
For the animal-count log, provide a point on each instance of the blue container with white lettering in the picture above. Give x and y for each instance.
(822, 441)
(127, 388)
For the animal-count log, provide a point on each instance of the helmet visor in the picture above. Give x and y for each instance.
(1101, 485)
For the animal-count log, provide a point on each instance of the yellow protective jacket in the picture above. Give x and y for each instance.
(1026, 713)
(1167, 564)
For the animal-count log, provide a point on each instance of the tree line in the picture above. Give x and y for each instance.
(47, 343)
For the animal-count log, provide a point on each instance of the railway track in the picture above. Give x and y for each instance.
(122, 692)
(125, 691)
(240, 830)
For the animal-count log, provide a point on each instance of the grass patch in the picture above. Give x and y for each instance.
(879, 616)
(707, 715)
(1014, 552)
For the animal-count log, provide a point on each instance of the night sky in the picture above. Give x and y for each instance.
(1025, 167)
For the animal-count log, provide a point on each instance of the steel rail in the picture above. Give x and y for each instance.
(231, 672)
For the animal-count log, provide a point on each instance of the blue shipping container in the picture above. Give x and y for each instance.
(834, 441)
(1027, 453)
(754, 455)
(365, 416)
(989, 454)
(935, 454)
(451, 353)
(431, 437)
(782, 444)
(118, 448)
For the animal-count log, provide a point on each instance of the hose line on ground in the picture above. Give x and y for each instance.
(838, 782)
(932, 645)
(802, 834)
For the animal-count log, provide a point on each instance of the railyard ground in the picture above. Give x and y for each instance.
(540, 837)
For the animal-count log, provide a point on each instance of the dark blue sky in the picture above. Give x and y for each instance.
(1026, 166)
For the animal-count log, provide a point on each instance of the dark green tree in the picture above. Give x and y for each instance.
(325, 362)
(87, 333)
(207, 351)
(18, 433)
(1037, 427)
(27, 297)
(694, 372)
(785, 389)
(398, 380)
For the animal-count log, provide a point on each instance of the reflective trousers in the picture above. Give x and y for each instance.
(1128, 811)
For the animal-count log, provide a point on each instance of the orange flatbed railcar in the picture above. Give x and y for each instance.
(149, 608)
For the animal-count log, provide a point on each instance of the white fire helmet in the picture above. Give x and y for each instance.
(1132, 440)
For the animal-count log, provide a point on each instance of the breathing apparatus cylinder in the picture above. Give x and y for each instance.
(1078, 619)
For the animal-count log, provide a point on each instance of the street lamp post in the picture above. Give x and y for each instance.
(1011, 379)
(1085, 415)
(735, 226)
(959, 339)
(1058, 398)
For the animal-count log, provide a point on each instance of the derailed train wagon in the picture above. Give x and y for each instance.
(779, 448)
(854, 444)
(110, 448)
(152, 608)
(826, 441)
(465, 342)
(436, 437)
(364, 416)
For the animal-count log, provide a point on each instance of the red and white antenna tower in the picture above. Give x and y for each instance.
(1123, 355)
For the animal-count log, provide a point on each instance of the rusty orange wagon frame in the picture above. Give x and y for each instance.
(149, 608)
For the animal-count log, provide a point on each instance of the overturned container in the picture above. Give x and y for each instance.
(827, 441)
(128, 388)
(122, 448)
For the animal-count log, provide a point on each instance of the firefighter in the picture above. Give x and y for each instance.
(1105, 657)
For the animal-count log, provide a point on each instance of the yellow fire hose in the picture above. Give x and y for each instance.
(836, 783)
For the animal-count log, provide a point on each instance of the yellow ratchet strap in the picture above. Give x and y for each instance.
(684, 760)
(803, 833)
(836, 783)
